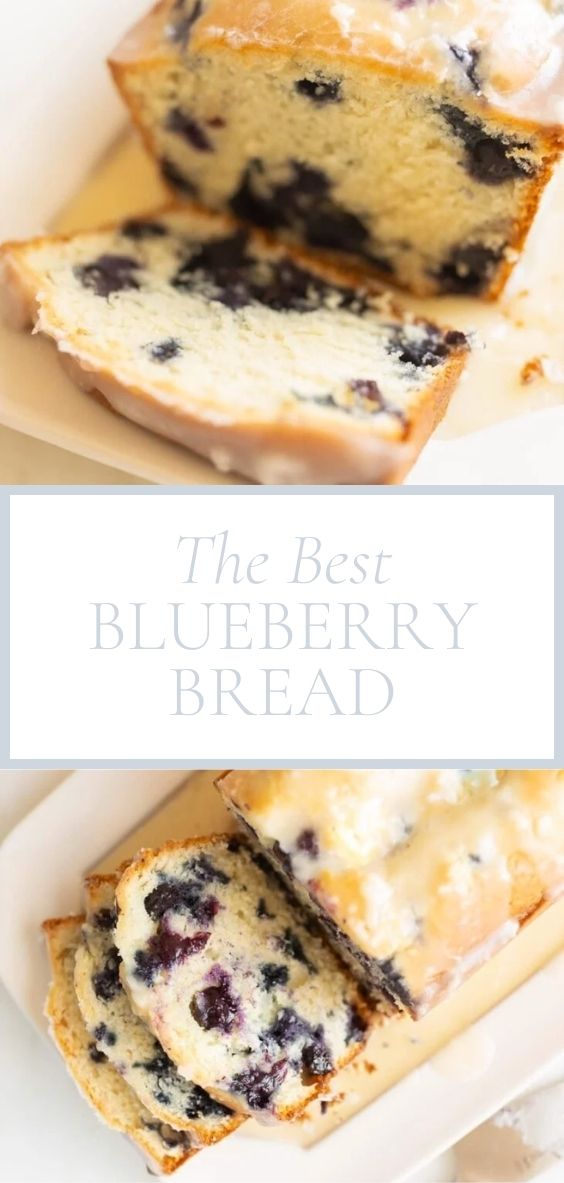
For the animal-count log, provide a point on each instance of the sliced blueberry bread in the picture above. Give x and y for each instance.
(237, 984)
(416, 137)
(115, 1103)
(267, 362)
(418, 876)
(125, 1040)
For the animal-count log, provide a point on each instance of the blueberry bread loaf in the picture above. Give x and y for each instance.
(124, 1040)
(416, 137)
(236, 983)
(115, 1103)
(418, 876)
(264, 361)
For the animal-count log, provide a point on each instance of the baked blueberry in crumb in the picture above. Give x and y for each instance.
(469, 58)
(216, 1007)
(316, 1057)
(177, 895)
(356, 1026)
(106, 984)
(307, 842)
(103, 1034)
(173, 176)
(272, 975)
(303, 203)
(163, 351)
(258, 1085)
(290, 944)
(205, 872)
(262, 910)
(189, 129)
(488, 157)
(469, 269)
(108, 274)
(429, 350)
(319, 89)
(287, 1028)
(104, 919)
(181, 26)
(202, 1105)
(170, 1137)
(139, 229)
(164, 950)
(96, 1055)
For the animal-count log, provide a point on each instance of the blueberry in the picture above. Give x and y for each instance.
(202, 1105)
(158, 1065)
(164, 950)
(181, 26)
(367, 388)
(177, 895)
(469, 269)
(273, 975)
(106, 983)
(103, 1034)
(205, 872)
(356, 1025)
(316, 1057)
(96, 1055)
(307, 841)
(320, 90)
(259, 1085)
(216, 1007)
(105, 919)
(282, 857)
(487, 156)
(287, 1028)
(139, 229)
(189, 129)
(173, 176)
(303, 203)
(262, 910)
(469, 59)
(108, 274)
(428, 350)
(163, 351)
(172, 1138)
(291, 945)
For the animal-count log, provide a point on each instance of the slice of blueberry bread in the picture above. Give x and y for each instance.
(125, 1040)
(235, 981)
(416, 137)
(419, 876)
(114, 1102)
(266, 361)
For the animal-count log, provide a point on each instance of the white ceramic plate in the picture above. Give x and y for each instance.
(41, 867)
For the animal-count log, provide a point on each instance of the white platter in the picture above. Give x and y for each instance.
(41, 866)
(54, 145)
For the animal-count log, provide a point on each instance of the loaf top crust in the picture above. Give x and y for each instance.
(503, 54)
(425, 872)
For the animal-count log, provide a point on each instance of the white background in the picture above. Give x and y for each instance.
(492, 700)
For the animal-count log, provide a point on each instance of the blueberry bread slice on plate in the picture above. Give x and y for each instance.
(124, 1039)
(266, 361)
(235, 981)
(114, 1102)
(415, 137)
(419, 876)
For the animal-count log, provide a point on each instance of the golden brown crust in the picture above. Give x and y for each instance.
(309, 27)
(100, 1083)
